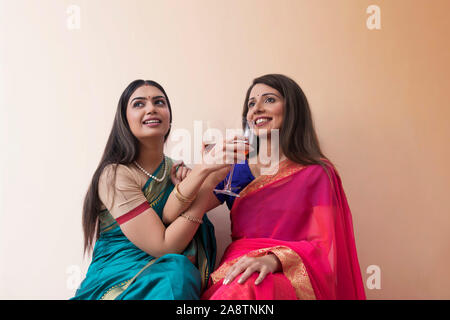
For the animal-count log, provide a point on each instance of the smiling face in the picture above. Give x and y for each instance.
(265, 108)
(148, 113)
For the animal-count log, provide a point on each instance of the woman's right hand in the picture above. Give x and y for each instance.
(223, 155)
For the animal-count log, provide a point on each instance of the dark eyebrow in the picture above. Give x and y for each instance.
(144, 98)
(265, 94)
(159, 97)
(138, 98)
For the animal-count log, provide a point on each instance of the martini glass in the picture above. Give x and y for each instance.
(213, 127)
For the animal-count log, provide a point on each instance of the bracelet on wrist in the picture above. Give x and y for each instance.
(182, 198)
(192, 219)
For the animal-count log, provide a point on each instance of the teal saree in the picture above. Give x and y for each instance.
(121, 271)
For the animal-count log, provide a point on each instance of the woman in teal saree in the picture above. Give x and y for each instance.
(120, 270)
(136, 256)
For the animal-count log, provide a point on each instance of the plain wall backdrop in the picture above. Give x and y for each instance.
(380, 102)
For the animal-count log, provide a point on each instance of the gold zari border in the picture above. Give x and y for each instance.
(286, 168)
(293, 268)
(113, 292)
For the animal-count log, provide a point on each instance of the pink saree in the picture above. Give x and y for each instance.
(301, 216)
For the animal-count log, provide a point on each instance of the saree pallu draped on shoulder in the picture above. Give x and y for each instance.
(301, 215)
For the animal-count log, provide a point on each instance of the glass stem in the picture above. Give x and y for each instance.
(228, 186)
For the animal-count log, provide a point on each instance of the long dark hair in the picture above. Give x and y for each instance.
(298, 138)
(122, 148)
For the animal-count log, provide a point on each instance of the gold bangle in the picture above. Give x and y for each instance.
(193, 219)
(181, 197)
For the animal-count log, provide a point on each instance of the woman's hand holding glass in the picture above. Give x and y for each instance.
(223, 155)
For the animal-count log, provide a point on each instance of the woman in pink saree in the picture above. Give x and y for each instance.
(292, 232)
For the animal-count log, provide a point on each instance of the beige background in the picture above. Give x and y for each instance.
(380, 100)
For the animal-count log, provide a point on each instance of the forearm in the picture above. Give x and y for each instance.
(188, 188)
(181, 231)
(148, 233)
(200, 176)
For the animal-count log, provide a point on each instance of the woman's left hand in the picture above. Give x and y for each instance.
(247, 265)
(178, 172)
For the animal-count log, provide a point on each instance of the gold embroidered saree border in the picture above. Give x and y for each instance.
(293, 268)
(113, 292)
(202, 262)
(287, 167)
(221, 272)
(154, 190)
